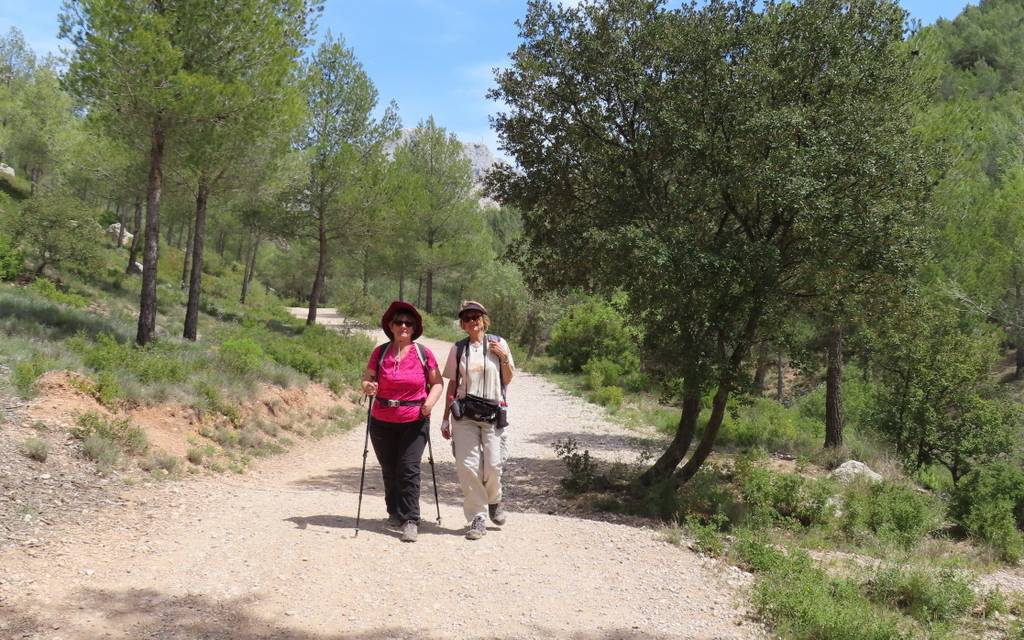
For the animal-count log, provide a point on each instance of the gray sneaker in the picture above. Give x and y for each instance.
(477, 530)
(497, 513)
(410, 530)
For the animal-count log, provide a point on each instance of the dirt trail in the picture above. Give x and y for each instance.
(272, 555)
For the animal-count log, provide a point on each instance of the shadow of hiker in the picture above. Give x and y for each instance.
(428, 525)
(347, 479)
(151, 613)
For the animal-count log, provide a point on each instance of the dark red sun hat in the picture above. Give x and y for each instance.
(396, 307)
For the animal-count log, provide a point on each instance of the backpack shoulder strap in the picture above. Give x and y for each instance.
(501, 374)
(380, 358)
(422, 353)
(460, 350)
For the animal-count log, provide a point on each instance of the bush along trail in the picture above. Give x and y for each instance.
(271, 554)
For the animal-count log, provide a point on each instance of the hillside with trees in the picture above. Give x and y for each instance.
(776, 240)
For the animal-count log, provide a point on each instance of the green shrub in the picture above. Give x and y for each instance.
(581, 469)
(195, 455)
(927, 596)
(989, 503)
(161, 461)
(891, 512)
(25, 373)
(107, 389)
(12, 262)
(610, 397)
(772, 426)
(706, 495)
(783, 497)
(756, 553)
(226, 438)
(602, 372)
(593, 330)
(242, 355)
(707, 534)
(36, 449)
(120, 432)
(157, 362)
(100, 450)
(49, 290)
(803, 602)
(57, 228)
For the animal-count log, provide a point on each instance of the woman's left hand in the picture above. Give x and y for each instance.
(426, 409)
(498, 349)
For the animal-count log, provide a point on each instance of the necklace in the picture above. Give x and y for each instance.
(398, 358)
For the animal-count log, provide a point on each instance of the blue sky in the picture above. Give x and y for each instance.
(431, 56)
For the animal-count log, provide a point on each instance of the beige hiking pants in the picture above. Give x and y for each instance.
(478, 462)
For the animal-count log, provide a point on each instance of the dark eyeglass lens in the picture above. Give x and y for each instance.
(403, 323)
(472, 316)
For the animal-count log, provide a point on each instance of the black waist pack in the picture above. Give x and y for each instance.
(479, 409)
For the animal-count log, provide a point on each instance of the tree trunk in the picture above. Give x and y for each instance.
(676, 451)
(151, 254)
(419, 291)
(1019, 356)
(834, 390)
(761, 370)
(707, 440)
(430, 291)
(133, 253)
(195, 285)
(366, 274)
(188, 257)
(780, 370)
(120, 224)
(321, 273)
(250, 266)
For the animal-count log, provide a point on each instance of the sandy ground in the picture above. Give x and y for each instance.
(273, 554)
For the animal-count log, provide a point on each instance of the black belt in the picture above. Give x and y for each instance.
(398, 403)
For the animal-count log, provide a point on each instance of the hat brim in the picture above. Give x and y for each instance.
(399, 306)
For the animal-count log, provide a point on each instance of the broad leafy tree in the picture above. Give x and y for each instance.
(720, 164)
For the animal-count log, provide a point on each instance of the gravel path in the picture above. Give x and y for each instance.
(273, 555)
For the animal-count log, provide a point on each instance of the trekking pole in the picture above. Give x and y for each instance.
(430, 458)
(362, 474)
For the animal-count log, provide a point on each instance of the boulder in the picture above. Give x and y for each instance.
(6, 169)
(115, 229)
(852, 469)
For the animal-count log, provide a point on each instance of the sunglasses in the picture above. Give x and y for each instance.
(472, 317)
(404, 323)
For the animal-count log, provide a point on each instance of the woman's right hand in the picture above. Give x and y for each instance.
(369, 388)
(446, 430)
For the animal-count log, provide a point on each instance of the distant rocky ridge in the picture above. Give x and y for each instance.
(480, 156)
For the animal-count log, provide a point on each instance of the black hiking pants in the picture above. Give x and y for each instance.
(399, 449)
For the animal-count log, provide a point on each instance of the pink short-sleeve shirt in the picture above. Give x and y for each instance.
(402, 380)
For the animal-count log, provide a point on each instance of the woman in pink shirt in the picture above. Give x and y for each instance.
(404, 381)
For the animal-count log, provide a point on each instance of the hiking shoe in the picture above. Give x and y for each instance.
(477, 530)
(497, 513)
(393, 522)
(410, 530)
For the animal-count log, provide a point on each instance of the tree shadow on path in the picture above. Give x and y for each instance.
(149, 613)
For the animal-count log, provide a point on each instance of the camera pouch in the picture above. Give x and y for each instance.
(456, 409)
(479, 409)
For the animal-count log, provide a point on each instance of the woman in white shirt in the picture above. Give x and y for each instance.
(478, 369)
